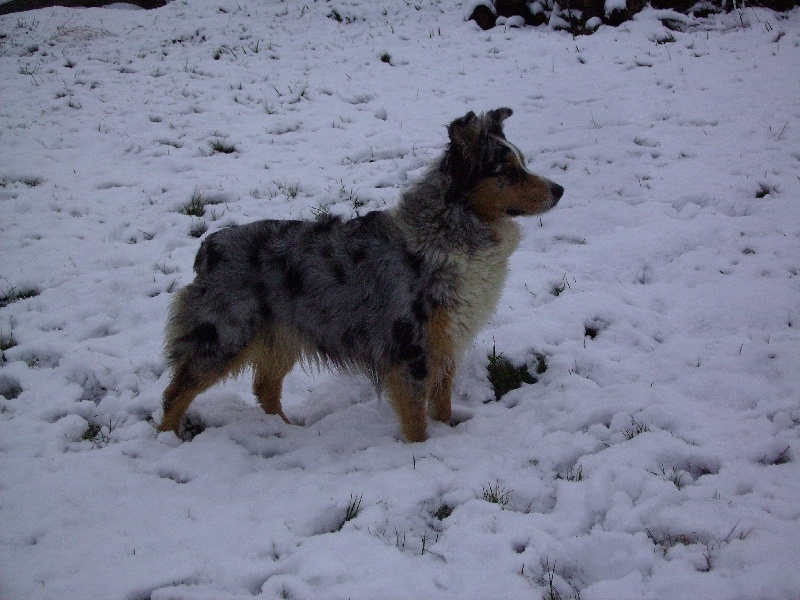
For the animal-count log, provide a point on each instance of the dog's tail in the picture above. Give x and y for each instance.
(213, 319)
(206, 331)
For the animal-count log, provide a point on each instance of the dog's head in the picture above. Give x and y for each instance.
(488, 172)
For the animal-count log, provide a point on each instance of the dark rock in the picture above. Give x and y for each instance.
(617, 17)
(23, 5)
(779, 5)
(514, 8)
(678, 5)
(483, 16)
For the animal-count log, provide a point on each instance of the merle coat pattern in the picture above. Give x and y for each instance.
(395, 295)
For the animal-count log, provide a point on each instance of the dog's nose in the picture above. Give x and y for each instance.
(557, 191)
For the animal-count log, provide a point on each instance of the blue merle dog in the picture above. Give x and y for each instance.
(396, 295)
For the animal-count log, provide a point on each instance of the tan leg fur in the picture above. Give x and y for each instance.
(442, 367)
(408, 401)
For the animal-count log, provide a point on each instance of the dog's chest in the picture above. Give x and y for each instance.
(482, 275)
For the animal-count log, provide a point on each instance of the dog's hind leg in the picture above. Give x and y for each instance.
(191, 379)
(272, 358)
(407, 396)
(179, 395)
(204, 344)
(268, 391)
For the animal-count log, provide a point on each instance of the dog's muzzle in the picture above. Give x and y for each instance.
(556, 191)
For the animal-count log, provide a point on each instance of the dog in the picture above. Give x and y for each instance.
(396, 295)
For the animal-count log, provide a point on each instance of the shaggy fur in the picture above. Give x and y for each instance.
(396, 295)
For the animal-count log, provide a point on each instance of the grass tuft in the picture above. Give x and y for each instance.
(198, 228)
(665, 542)
(496, 494)
(7, 341)
(350, 195)
(549, 581)
(556, 289)
(505, 376)
(444, 511)
(672, 474)
(573, 474)
(287, 189)
(28, 181)
(320, 212)
(635, 429)
(15, 294)
(196, 207)
(219, 145)
(353, 508)
(781, 458)
(99, 435)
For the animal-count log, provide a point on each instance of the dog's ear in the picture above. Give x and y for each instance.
(496, 118)
(465, 134)
(461, 159)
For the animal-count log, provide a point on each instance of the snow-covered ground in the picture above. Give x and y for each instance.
(657, 457)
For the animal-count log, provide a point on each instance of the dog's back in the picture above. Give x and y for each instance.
(350, 290)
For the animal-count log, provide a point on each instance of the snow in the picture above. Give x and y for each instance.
(612, 5)
(657, 458)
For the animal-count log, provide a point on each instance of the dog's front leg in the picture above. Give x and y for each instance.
(440, 389)
(407, 396)
(442, 366)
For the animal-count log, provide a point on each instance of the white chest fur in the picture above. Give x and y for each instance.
(482, 276)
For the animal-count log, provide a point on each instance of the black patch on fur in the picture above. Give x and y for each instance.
(264, 308)
(339, 272)
(204, 338)
(403, 334)
(254, 258)
(281, 260)
(414, 352)
(418, 369)
(407, 348)
(414, 262)
(359, 254)
(294, 280)
(349, 339)
(514, 212)
(420, 310)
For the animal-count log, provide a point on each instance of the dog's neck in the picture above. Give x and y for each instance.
(433, 225)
